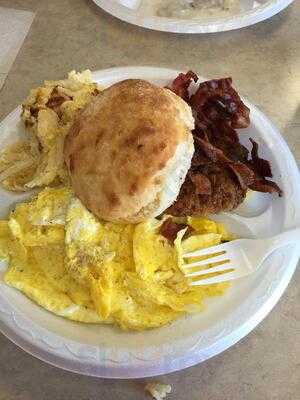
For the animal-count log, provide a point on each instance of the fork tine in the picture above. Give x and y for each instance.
(217, 279)
(211, 260)
(207, 251)
(225, 268)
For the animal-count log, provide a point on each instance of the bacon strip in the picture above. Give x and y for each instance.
(266, 186)
(218, 111)
(169, 229)
(57, 98)
(244, 175)
(262, 167)
(180, 85)
(218, 100)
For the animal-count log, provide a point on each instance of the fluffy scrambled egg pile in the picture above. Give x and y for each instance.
(47, 113)
(91, 271)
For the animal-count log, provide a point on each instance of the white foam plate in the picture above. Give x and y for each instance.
(251, 12)
(106, 351)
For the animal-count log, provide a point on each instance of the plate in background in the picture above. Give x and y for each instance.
(251, 12)
(105, 351)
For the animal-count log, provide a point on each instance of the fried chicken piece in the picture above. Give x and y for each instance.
(225, 194)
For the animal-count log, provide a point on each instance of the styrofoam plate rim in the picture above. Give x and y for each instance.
(237, 21)
(162, 350)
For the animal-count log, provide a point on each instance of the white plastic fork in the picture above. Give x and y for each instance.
(238, 258)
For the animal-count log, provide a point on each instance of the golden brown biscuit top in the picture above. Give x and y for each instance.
(120, 142)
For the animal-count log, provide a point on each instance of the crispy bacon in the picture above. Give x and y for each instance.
(218, 100)
(181, 84)
(244, 175)
(266, 186)
(212, 153)
(261, 167)
(222, 169)
(56, 99)
(169, 229)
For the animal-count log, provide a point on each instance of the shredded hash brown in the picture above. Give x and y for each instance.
(47, 114)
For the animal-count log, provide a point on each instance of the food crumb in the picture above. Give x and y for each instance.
(158, 390)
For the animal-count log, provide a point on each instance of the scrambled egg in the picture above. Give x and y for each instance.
(87, 270)
(158, 391)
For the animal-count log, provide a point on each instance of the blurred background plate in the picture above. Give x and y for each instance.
(105, 351)
(250, 12)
